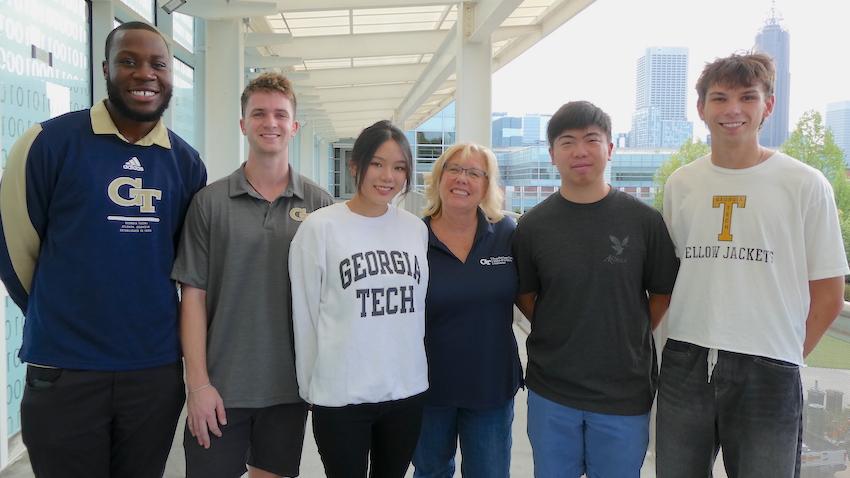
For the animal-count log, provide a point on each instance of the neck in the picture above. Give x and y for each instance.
(585, 194)
(131, 129)
(269, 176)
(458, 221)
(738, 156)
(360, 206)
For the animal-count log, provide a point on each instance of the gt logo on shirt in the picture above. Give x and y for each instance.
(136, 195)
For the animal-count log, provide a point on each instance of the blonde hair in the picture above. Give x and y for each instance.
(493, 199)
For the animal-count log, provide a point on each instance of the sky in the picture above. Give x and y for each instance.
(594, 55)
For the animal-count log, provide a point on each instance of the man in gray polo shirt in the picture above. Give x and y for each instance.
(236, 324)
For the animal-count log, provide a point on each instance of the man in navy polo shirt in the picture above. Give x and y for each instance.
(92, 203)
(596, 267)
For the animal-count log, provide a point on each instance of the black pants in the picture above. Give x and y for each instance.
(387, 432)
(101, 424)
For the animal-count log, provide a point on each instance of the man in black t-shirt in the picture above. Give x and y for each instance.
(596, 270)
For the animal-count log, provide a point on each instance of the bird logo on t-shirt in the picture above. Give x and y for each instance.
(619, 247)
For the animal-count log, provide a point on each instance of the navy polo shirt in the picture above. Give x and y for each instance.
(472, 352)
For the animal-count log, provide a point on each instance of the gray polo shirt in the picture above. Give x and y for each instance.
(235, 246)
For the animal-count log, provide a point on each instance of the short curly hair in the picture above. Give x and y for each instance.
(269, 82)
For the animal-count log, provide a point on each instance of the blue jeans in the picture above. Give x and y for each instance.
(485, 442)
(567, 442)
(751, 408)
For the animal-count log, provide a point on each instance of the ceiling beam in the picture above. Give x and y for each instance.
(254, 40)
(441, 66)
(222, 9)
(363, 75)
(553, 18)
(366, 44)
(360, 92)
(313, 5)
(489, 14)
(259, 61)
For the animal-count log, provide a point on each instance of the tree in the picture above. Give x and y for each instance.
(687, 152)
(812, 143)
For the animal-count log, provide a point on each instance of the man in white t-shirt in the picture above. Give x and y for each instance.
(761, 279)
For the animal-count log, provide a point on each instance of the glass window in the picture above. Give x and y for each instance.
(429, 151)
(44, 72)
(144, 8)
(183, 113)
(429, 137)
(184, 30)
(449, 138)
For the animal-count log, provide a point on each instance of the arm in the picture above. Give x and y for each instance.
(306, 277)
(205, 408)
(25, 193)
(658, 304)
(827, 300)
(525, 304)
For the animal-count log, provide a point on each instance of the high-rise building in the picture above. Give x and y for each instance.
(660, 118)
(838, 120)
(776, 42)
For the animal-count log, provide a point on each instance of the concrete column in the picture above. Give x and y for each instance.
(306, 151)
(324, 163)
(102, 16)
(474, 77)
(224, 73)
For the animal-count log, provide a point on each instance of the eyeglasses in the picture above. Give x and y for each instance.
(454, 171)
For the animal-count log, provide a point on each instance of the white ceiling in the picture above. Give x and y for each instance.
(354, 62)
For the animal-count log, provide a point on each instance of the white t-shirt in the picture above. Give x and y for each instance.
(750, 240)
(358, 306)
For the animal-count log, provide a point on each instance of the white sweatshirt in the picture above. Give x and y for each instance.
(358, 306)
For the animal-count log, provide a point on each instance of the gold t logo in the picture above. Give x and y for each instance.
(728, 203)
(137, 195)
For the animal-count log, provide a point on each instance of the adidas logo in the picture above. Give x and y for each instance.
(133, 164)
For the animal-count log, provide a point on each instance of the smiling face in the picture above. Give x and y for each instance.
(581, 156)
(269, 123)
(383, 179)
(734, 114)
(138, 75)
(463, 182)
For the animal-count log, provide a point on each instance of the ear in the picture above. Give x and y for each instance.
(242, 126)
(700, 109)
(610, 150)
(295, 127)
(768, 106)
(551, 155)
(105, 68)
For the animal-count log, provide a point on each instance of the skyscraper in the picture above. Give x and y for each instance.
(838, 120)
(775, 41)
(660, 118)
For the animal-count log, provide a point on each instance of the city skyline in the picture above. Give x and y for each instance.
(593, 56)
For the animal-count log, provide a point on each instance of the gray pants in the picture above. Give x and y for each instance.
(751, 408)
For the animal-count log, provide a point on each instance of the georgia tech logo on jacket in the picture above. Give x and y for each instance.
(134, 195)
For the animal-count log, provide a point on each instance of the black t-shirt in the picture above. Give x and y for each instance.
(591, 266)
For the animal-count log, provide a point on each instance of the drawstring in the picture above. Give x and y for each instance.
(712, 361)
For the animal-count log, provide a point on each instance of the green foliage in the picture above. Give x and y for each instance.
(812, 143)
(687, 153)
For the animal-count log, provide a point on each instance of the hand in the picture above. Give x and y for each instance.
(205, 411)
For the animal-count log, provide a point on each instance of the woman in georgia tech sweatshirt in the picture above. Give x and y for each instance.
(359, 276)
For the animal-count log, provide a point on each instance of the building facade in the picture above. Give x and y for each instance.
(660, 118)
(838, 121)
(775, 41)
